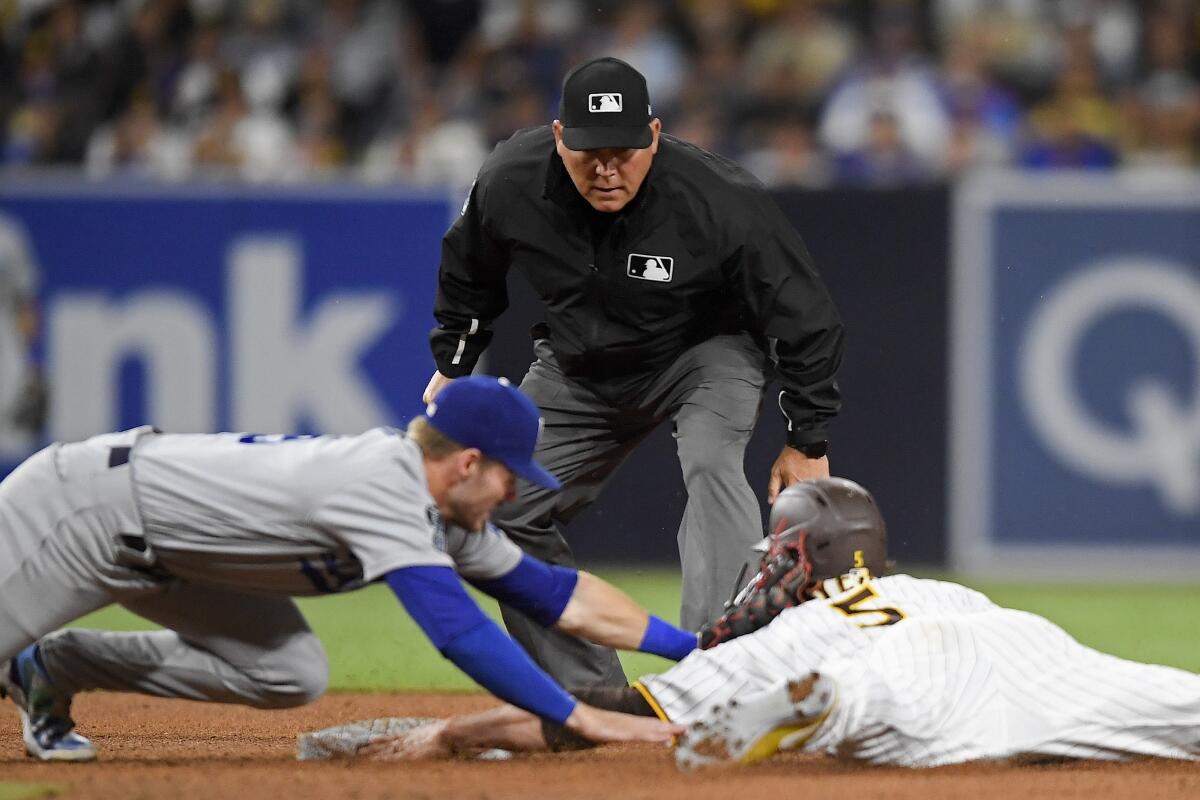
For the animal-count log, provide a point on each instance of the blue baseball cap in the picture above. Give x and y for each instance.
(491, 415)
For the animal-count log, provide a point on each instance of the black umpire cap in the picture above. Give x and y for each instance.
(605, 103)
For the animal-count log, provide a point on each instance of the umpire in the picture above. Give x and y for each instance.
(665, 271)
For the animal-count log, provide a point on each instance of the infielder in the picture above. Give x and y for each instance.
(21, 388)
(210, 536)
(664, 271)
(888, 670)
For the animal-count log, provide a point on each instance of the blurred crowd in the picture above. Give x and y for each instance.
(802, 92)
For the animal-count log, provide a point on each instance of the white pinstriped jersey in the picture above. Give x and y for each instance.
(299, 515)
(932, 673)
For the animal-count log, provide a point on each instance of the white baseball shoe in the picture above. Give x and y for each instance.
(744, 731)
(46, 724)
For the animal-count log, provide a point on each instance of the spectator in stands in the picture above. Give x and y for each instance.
(264, 137)
(263, 38)
(137, 145)
(1077, 127)
(75, 67)
(195, 89)
(136, 87)
(792, 61)
(1018, 38)
(445, 30)
(362, 38)
(701, 125)
(518, 110)
(985, 117)
(892, 86)
(1109, 29)
(145, 56)
(214, 146)
(884, 160)
(714, 100)
(317, 138)
(789, 156)
(639, 36)
(33, 121)
(526, 46)
(1164, 108)
(435, 149)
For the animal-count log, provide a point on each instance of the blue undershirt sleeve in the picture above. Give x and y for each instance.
(436, 600)
(664, 639)
(540, 590)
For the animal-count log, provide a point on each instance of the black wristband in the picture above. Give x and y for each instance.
(812, 449)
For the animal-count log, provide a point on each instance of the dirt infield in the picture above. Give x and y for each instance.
(174, 749)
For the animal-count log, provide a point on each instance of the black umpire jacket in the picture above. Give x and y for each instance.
(701, 250)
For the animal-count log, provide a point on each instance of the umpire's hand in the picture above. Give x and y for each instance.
(792, 466)
(436, 384)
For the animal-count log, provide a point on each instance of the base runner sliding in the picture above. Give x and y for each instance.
(824, 653)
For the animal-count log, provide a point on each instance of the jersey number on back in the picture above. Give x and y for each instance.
(856, 604)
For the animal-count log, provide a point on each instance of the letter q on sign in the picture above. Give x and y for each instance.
(1162, 447)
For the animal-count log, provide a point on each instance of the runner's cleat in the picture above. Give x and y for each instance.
(783, 717)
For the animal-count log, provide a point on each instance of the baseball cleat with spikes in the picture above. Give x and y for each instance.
(783, 717)
(46, 723)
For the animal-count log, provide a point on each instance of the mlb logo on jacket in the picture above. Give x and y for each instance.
(650, 268)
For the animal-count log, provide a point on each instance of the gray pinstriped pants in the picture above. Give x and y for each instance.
(711, 394)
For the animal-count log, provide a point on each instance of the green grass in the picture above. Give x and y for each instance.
(13, 790)
(373, 645)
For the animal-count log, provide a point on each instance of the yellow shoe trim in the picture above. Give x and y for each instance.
(654, 706)
(768, 745)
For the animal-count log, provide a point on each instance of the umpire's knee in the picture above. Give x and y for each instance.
(537, 536)
(293, 675)
(711, 458)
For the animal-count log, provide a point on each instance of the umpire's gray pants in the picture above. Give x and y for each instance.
(62, 514)
(711, 394)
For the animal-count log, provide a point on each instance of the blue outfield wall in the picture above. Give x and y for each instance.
(1034, 410)
(209, 308)
(307, 309)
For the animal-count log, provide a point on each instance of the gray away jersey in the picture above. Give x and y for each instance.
(299, 515)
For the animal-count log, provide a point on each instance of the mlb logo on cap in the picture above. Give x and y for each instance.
(605, 102)
(593, 111)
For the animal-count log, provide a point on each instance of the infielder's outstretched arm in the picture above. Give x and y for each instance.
(436, 600)
(602, 613)
(505, 727)
(583, 605)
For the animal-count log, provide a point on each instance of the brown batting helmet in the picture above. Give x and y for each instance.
(837, 522)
